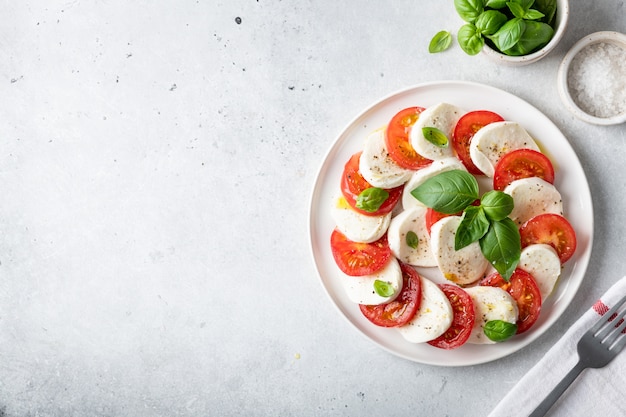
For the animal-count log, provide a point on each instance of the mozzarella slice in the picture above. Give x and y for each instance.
(377, 167)
(490, 303)
(419, 176)
(442, 116)
(357, 226)
(491, 142)
(462, 267)
(433, 318)
(411, 220)
(543, 263)
(360, 290)
(533, 196)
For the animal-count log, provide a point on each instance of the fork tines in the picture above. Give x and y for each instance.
(611, 331)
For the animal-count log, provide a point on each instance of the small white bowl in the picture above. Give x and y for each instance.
(570, 85)
(561, 19)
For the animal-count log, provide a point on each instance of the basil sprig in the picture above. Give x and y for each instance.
(488, 223)
(514, 27)
(371, 199)
(499, 330)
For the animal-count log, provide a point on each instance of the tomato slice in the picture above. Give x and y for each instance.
(397, 139)
(433, 216)
(522, 163)
(524, 290)
(353, 184)
(464, 131)
(463, 321)
(358, 259)
(552, 229)
(401, 310)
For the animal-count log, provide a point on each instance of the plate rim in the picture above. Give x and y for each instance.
(580, 266)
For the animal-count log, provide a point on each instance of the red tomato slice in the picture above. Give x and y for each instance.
(522, 163)
(463, 321)
(353, 184)
(397, 139)
(551, 229)
(464, 131)
(401, 310)
(358, 259)
(523, 288)
(432, 216)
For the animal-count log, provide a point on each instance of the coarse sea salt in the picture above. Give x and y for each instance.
(597, 79)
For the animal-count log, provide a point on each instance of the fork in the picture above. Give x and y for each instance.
(596, 349)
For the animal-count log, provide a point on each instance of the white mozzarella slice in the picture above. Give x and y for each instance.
(418, 177)
(490, 303)
(462, 267)
(357, 226)
(433, 318)
(377, 167)
(442, 116)
(543, 263)
(533, 196)
(360, 290)
(491, 142)
(411, 220)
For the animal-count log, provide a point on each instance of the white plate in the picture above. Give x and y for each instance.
(570, 181)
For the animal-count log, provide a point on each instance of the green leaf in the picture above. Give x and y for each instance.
(509, 34)
(371, 199)
(536, 35)
(533, 14)
(517, 9)
(448, 192)
(490, 21)
(473, 226)
(469, 10)
(411, 239)
(496, 204)
(499, 330)
(383, 288)
(548, 8)
(496, 4)
(501, 245)
(440, 42)
(470, 39)
(435, 136)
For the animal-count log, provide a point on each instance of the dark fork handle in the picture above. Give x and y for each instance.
(556, 393)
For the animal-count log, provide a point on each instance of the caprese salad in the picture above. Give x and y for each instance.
(466, 195)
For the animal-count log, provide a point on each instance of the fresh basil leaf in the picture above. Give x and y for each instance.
(383, 288)
(501, 245)
(536, 35)
(435, 136)
(526, 4)
(470, 39)
(371, 199)
(490, 21)
(448, 192)
(411, 239)
(440, 42)
(496, 4)
(473, 226)
(499, 330)
(533, 14)
(469, 10)
(496, 204)
(509, 34)
(548, 8)
(517, 9)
